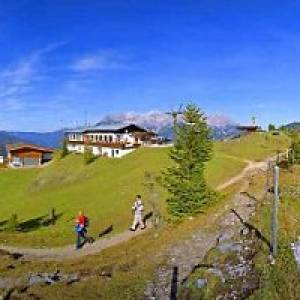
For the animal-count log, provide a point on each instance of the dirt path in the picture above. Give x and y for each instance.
(69, 252)
(251, 167)
(186, 254)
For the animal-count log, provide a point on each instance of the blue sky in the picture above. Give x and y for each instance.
(60, 58)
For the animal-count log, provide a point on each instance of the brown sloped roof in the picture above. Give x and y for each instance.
(14, 147)
(249, 127)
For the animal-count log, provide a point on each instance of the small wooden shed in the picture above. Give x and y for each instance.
(27, 155)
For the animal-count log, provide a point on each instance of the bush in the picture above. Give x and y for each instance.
(88, 156)
(64, 149)
(271, 127)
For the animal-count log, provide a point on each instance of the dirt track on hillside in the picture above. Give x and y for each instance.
(69, 252)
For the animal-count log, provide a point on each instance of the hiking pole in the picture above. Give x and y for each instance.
(275, 212)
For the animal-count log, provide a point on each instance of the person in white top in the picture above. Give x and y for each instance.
(138, 210)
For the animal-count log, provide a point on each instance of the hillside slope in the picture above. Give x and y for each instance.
(104, 189)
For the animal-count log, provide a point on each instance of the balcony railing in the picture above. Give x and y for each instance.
(109, 144)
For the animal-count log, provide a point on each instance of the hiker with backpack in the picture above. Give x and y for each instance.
(82, 222)
(138, 211)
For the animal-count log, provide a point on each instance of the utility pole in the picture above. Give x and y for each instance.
(174, 115)
(275, 212)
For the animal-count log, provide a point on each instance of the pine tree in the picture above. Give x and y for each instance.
(185, 180)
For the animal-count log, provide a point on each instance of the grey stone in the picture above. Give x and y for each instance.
(217, 272)
(229, 247)
(201, 283)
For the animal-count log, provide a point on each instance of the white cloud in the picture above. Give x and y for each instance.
(18, 78)
(96, 63)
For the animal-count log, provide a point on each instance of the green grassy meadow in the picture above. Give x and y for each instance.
(254, 147)
(105, 189)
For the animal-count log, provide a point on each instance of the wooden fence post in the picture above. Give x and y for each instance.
(275, 212)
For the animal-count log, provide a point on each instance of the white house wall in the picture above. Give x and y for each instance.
(97, 151)
(116, 153)
(124, 152)
(75, 148)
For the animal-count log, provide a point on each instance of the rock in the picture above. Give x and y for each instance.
(52, 278)
(72, 279)
(230, 247)
(245, 231)
(217, 272)
(201, 283)
(36, 279)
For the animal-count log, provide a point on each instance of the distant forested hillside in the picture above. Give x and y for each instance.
(5, 138)
(292, 126)
(46, 139)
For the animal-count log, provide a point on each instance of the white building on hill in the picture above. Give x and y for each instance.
(109, 140)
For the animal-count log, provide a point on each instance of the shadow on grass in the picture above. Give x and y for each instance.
(37, 223)
(148, 216)
(252, 228)
(106, 231)
(51, 221)
(2, 223)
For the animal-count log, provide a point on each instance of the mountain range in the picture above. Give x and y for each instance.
(159, 122)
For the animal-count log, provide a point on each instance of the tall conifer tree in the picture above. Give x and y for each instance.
(185, 179)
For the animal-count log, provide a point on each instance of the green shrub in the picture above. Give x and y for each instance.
(88, 156)
(64, 149)
(271, 127)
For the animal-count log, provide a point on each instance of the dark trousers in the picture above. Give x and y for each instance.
(81, 236)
